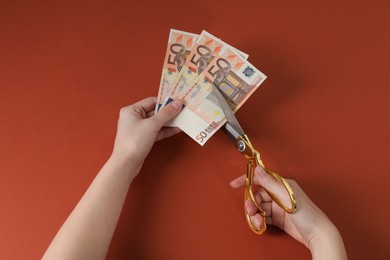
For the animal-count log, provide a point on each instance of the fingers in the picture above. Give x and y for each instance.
(263, 199)
(166, 132)
(238, 183)
(257, 220)
(167, 113)
(272, 185)
(148, 104)
(254, 214)
(142, 108)
(252, 210)
(267, 182)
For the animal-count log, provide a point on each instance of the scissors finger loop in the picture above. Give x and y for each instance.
(249, 194)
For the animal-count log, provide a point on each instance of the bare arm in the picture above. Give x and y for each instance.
(88, 231)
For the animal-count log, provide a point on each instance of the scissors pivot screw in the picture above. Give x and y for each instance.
(241, 146)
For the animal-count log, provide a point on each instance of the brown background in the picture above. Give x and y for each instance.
(321, 117)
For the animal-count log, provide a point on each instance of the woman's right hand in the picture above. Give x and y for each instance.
(308, 224)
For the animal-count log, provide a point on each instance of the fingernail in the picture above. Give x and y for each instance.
(256, 222)
(177, 104)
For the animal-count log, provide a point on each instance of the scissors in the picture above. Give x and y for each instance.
(235, 133)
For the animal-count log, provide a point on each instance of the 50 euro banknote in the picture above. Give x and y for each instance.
(235, 77)
(180, 44)
(206, 48)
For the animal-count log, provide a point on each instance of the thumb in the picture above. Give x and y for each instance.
(272, 185)
(167, 113)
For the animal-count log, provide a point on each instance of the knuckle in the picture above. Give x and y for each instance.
(123, 111)
(268, 178)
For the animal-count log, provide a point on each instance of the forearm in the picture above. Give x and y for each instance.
(87, 232)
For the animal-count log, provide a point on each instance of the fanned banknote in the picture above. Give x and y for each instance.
(205, 49)
(180, 44)
(234, 76)
(203, 52)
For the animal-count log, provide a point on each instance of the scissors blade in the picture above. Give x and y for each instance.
(232, 127)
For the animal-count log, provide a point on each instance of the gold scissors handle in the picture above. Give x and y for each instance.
(253, 157)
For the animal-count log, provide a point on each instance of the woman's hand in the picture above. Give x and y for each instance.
(308, 224)
(88, 231)
(139, 128)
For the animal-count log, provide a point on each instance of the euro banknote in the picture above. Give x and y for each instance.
(180, 44)
(194, 65)
(203, 52)
(235, 77)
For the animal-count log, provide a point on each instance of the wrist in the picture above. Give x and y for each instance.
(128, 154)
(327, 243)
(130, 163)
